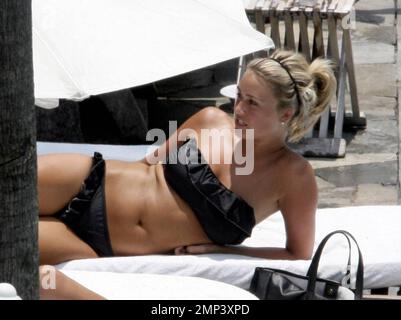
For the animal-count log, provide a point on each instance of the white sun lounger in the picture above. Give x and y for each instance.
(143, 286)
(376, 228)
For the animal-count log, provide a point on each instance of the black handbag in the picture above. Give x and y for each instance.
(274, 284)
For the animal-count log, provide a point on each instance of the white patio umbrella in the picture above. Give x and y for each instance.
(89, 47)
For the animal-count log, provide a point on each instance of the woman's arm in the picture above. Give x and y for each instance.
(207, 118)
(298, 207)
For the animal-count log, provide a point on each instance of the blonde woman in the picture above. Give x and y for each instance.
(197, 204)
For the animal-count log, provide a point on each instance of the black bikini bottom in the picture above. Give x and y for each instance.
(85, 214)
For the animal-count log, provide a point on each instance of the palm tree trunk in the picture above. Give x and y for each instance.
(18, 195)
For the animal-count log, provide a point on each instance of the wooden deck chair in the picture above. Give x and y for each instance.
(287, 22)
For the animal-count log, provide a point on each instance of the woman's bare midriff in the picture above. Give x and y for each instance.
(144, 214)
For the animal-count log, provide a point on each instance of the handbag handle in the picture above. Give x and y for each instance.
(312, 272)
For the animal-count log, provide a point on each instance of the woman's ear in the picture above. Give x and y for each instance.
(286, 114)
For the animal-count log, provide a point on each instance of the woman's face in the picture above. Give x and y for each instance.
(256, 107)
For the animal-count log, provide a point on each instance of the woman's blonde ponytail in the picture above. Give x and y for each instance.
(307, 88)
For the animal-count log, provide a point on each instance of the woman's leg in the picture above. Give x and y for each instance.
(57, 243)
(55, 285)
(60, 177)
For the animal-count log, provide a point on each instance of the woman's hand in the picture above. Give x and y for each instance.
(198, 249)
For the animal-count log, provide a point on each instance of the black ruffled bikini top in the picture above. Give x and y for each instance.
(224, 216)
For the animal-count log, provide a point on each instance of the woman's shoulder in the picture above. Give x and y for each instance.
(291, 174)
(212, 117)
(299, 187)
(296, 169)
(297, 164)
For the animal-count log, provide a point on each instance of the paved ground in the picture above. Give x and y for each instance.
(369, 173)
